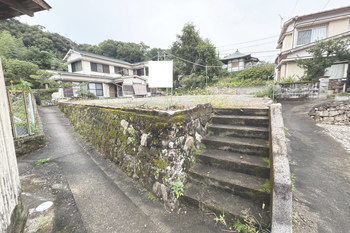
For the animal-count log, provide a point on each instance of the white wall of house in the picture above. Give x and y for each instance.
(9, 177)
(338, 26)
(291, 69)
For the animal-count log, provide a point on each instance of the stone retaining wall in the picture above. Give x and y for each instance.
(154, 147)
(332, 113)
(26, 145)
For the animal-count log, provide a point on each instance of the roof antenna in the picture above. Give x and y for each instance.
(281, 20)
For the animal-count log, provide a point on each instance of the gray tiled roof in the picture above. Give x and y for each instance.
(101, 57)
(235, 55)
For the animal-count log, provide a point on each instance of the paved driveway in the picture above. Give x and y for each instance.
(322, 169)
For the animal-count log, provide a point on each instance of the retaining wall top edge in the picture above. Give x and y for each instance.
(147, 111)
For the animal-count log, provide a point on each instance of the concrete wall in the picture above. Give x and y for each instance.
(298, 90)
(236, 90)
(153, 147)
(281, 184)
(9, 178)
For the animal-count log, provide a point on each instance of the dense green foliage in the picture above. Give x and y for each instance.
(324, 55)
(191, 47)
(263, 71)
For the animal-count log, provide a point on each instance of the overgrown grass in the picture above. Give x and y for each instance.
(239, 82)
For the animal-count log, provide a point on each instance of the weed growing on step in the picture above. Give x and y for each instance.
(267, 186)
(152, 197)
(286, 131)
(177, 188)
(251, 223)
(267, 160)
(293, 178)
(220, 219)
(42, 161)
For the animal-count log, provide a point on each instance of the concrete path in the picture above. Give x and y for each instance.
(322, 169)
(107, 200)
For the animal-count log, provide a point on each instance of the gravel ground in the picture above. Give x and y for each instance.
(340, 133)
(181, 102)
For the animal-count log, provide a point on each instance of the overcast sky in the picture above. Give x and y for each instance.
(251, 26)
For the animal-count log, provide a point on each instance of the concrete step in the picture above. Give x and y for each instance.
(242, 111)
(239, 184)
(248, 164)
(239, 130)
(261, 121)
(241, 145)
(216, 201)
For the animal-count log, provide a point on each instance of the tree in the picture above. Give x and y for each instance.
(324, 54)
(191, 47)
(15, 69)
(10, 47)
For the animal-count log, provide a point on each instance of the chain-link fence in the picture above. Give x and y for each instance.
(23, 113)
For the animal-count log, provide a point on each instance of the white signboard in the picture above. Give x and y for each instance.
(160, 74)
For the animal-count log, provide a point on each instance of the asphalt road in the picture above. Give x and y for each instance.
(322, 169)
(107, 200)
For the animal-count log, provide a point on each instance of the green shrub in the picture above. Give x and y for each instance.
(262, 71)
(85, 94)
(269, 91)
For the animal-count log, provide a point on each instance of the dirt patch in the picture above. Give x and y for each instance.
(303, 219)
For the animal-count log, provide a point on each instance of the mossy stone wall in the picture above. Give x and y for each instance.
(153, 147)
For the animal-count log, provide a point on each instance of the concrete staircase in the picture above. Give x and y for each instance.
(231, 173)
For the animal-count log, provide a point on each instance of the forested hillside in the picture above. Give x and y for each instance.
(25, 50)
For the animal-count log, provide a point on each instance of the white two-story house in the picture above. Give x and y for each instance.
(103, 76)
(301, 32)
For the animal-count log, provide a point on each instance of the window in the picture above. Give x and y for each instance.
(312, 34)
(76, 66)
(96, 89)
(93, 66)
(76, 87)
(118, 70)
(99, 67)
(140, 72)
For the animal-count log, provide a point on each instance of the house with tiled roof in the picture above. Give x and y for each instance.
(101, 75)
(300, 33)
(238, 61)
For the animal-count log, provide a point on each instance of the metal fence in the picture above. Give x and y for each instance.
(22, 113)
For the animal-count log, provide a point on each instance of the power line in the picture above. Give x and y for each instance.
(294, 7)
(248, 41)
(190, 61)
(267, 51)
(250, 46)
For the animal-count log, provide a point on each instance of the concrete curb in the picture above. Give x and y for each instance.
(281, 184)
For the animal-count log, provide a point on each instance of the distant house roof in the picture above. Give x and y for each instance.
(13, 8)
(237, 55)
